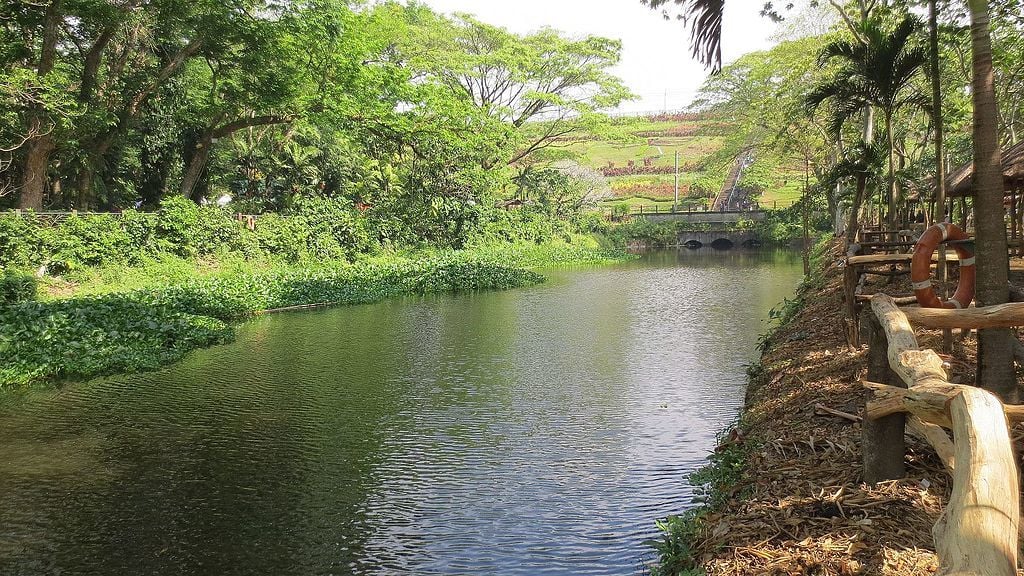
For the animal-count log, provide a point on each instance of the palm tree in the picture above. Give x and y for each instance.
(995, 362)
(859, 162)
(874, 72)
(995, 354)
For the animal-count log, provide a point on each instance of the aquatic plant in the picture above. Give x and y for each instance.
(144, 328)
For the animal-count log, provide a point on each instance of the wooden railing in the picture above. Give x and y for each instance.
(977, 533)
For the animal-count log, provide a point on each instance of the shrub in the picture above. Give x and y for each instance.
(20, 242)
(17, 286)
(186, 229)
(282, 236)
(79, 242)
(336, 231)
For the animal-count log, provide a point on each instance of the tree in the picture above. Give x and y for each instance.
(705, 20)
(40, 56)
(763, 92)
(995, 354)
(253, 76)
(875, 72)
(536, 88)
(995, 362)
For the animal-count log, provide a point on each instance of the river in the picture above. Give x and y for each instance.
(533, 431)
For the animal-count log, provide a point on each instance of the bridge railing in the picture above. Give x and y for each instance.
(646, 210)
(977, 532)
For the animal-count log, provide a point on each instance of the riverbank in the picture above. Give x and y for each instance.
(785, 484)
(142, 319)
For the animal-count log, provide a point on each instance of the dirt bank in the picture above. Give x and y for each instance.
(799, 506)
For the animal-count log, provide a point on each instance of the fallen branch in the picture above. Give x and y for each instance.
(937, 437)
(820, 409)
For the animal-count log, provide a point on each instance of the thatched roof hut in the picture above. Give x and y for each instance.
(960, 181)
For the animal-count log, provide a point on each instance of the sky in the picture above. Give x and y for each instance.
(656, 62)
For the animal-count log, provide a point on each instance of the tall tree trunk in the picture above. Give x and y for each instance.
(890, 178)
(41, 143)
(33, 170)
(868, 136)
(940, 168)
(995, 354)
(938, 209)
(196, 166)
(858, 200)
(196, 163)
(92, 164)
(101, 145)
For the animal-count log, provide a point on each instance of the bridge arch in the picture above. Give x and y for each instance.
(724, 240)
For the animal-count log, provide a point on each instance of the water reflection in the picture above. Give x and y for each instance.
(524, 432)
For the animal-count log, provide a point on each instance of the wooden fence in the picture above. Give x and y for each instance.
(977, 534)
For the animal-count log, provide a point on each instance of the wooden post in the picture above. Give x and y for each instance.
(977, 533)
(850, 279)
(882, 439)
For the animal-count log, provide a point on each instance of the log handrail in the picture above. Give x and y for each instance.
(977, 533)
(887, 259)
(997, 316)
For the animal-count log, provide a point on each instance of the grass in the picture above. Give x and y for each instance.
(151, 271)
(788, 192)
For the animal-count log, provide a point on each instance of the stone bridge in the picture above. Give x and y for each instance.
(721, 240)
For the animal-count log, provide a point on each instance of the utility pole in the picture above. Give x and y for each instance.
(676, 201)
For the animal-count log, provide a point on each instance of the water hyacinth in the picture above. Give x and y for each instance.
(143, 329)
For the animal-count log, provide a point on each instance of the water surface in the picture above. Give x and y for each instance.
(534, 431)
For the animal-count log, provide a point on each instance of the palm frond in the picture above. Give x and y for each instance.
(704, 17)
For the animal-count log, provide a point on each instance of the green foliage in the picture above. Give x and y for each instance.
(718, 481)
(316, 229)
(79, 242)
(455, 276)
(782, 227)
(675, 548)
(524, 224)
(144, 328)
(186, 229)
(86, 337)
(334, 229)
(20, 241)
(17, 286)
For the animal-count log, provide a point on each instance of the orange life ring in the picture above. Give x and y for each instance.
(921, 268)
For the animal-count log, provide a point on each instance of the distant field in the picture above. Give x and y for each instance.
(639, 171)
(661, 186)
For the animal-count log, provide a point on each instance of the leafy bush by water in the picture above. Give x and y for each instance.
(315, 229)
(142, 329)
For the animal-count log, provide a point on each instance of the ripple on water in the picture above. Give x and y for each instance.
(536, 431)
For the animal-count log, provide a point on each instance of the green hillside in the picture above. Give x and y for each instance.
(639, 167)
